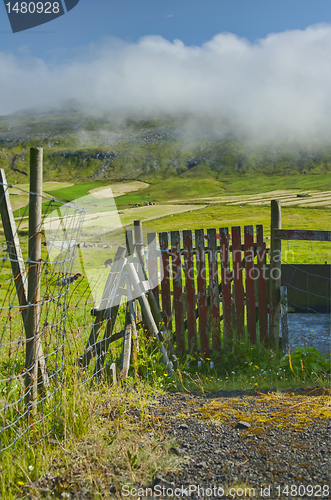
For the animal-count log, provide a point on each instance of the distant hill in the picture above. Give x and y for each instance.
(80, 148)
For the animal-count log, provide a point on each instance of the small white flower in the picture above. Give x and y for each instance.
(233, 372)
(30, 467)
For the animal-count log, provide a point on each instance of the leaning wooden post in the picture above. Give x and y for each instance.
(17, 264)
(32, 320)
(150, 321)
(275, 274)
(166, 334)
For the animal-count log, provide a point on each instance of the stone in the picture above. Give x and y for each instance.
(242, 425)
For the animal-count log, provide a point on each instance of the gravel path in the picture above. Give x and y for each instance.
(283, 441)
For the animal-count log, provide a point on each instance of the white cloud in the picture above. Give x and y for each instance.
(278, 87)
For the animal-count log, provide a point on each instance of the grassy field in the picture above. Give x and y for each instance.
(76, 191)
(80, 447)
(184, 188)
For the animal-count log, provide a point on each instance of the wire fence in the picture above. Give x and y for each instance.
(308, 305)
(30, 388)
(84, 302)
(49, 326)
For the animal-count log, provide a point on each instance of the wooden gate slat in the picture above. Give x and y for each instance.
(226, 284)
(177, 285)
(214, 292)
(165, 283)
(202, 290)
(249, 278)
(238, 281)
(153, 265)
(189, 281)
(263, 300)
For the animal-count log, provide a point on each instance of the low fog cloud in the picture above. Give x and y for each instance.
(276, 88)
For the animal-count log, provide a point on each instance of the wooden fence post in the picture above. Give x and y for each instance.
(129, 242)
(283, 317)
(275, 274)
(17, 264)
(262, 286)
(153, 270)
(139, 241)
(250, 280)
(32, 320)
(13, 244)
(163, 329)
(226, 286)
(148, 315)
(190, 290)
(202, 290)
(165, 283)
(238, 282)
(214, 291)
(178, 291)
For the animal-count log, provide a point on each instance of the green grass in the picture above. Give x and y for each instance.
(186, 186)
(76, 191)
(300, 252)
(175, 189)
(100, 428)
(84, 439)
(258, 183)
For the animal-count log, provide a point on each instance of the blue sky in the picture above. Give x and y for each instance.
(261, 67)
(192, 21)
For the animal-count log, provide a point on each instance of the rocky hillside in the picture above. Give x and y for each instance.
(80, 148)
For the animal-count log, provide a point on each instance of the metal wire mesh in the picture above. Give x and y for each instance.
(309, 305)
(19, 426)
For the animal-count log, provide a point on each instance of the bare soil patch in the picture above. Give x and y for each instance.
(117, 189)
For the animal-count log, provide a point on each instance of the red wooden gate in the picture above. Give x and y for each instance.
(213, 288)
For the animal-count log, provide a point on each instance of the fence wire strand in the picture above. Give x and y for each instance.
(20, 429)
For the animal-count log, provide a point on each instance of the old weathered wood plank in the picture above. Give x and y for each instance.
(177, 286)
(139, 241)
(126, 354)
(301, 234)
(190, 290)
(202, 290)
(238, 281)
(165, 283)
(13, 244)
(148, 316)
(214, 293)
(18, 270)
(104, 307)
(129, 242)
(33, 311)
(226, 285)
(275, 274)
(262, 285)
(153, 265)
(250, 281)
(110, 315)
(283, 318)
